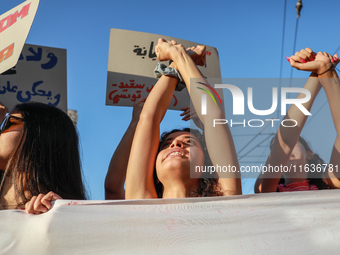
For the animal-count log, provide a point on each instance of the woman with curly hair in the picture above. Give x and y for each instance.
(175, 159)
(289, 149)
(39, 153)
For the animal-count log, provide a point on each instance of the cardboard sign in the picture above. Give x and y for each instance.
(39, 76)
(132, 60)
(14, 27)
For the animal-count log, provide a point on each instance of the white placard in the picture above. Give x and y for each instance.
(14, 28)
(39, 76)
(132, 60)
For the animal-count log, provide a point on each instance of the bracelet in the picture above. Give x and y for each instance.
(330, 69)
(162, 69)
(327, 70)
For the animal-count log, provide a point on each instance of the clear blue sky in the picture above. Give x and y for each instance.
(247, 33)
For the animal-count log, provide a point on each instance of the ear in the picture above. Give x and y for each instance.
(310, 154)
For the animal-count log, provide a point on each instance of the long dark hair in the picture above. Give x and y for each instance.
(315, 178)
(207, 187)
(47, 156)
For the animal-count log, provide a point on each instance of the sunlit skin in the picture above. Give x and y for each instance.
(9, 139)
(298, 158)
(179, 151)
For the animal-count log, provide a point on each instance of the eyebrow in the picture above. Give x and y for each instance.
(191, 137)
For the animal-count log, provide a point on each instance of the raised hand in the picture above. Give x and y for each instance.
(307, 60)
(165, 49)
(137, 109)
(198, 54)
(190, 113)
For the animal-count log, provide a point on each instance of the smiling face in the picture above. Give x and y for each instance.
(179, 151)
(9, 138)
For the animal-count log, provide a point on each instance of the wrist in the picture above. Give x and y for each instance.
(173, 65)
(324, 69)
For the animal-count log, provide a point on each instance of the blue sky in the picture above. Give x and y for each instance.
(247, 33)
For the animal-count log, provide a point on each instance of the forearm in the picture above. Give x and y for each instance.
(161, 95)
(286, 139)
(116, 174)
(331, 84)
(288, 136)
(218, 139)
(139, 176)
(139, 179)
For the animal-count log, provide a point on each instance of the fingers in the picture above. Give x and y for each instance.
(188, 113)
(185, 113)
(48, 198)
(140, 101)
(305, 55)
(41, 203)
(137, 109)
(336, 59)
(34, 206)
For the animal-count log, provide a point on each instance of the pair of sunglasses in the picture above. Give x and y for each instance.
(7, 123)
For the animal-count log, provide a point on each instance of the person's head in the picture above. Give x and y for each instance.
(301, 155)
(179, 150)
(46, 154)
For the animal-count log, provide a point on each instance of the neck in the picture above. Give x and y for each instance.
(7, 199)
(292, 180)
(179, 190)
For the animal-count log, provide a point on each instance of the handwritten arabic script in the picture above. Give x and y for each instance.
(143, 52)
(29, 94)
(131, 91)
(40, 75)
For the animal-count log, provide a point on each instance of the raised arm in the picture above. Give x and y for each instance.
(116, 174)
(329, 80)
(219, 141)
(287, 137)
(139, 177)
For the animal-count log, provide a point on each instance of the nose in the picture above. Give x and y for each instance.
(176, 143)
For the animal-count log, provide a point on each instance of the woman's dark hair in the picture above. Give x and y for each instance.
(208, 187)
(47, 156)
(315, 178)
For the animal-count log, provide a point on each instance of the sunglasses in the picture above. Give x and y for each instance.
(6, 123)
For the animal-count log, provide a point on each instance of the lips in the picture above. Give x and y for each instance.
(175, 153)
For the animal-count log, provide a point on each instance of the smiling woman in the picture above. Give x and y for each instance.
(185, 145)
(164, 169)
(38, 153)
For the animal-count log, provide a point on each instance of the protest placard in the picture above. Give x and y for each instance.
(39, 76)
(14, 28)
(132, 59)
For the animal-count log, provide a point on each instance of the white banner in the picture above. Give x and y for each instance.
(304, 222)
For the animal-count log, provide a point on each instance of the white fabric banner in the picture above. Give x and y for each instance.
(277, 223)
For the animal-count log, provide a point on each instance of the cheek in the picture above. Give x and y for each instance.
(8, 144)
(157, 161)
(197, 157)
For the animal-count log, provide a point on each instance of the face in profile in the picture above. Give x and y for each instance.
(179, 151)
(12, 130)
